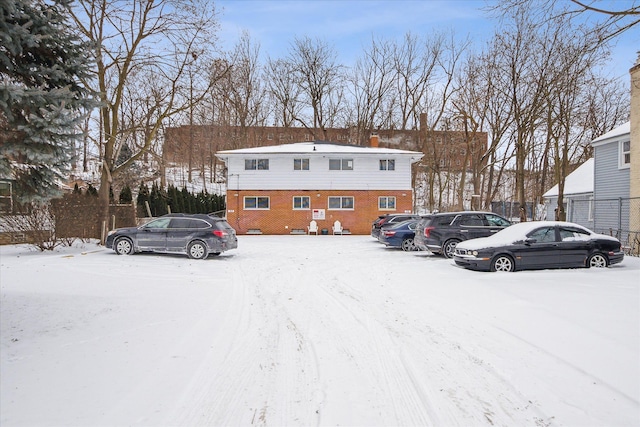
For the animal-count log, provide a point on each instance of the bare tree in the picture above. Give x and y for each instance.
(321, 81)
(284, 92)
(156, 41)
(371, 83)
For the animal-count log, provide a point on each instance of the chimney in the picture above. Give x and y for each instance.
(373, 141)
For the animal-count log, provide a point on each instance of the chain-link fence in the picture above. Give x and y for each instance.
(618, 217)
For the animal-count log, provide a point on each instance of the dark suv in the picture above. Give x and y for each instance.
(197, 235)
(389, 219)
(440, 233)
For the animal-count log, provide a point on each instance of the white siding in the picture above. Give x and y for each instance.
(366, 173)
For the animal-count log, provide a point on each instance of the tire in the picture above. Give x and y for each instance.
(597, 260)
(197, 250)
(123, 246)
(503, 263)
(408, 245)
(449, 248)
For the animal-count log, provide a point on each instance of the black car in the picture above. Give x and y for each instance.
(441, 232)
(389, 219)
(537, 245)
(197, 235)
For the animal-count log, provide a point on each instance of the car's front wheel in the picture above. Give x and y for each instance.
(197, 250)
(502, 263)
(449, 248)
(408, 245)
(597, 260)
(123, 246)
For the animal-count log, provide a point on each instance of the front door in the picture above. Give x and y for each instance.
(153, 236)
(541, 250)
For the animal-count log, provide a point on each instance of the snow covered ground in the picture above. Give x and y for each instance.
(313, 330)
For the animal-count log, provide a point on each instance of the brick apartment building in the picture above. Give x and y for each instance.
(280, 189)
(197, 146)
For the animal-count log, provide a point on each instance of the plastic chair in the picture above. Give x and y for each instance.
(312, 228)
(337, 228)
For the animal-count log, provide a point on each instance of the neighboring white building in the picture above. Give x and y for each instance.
(280, 189)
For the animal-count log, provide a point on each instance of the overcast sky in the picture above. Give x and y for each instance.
(349, 25)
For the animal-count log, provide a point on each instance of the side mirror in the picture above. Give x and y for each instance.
(529, 241)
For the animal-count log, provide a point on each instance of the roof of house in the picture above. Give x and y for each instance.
(320, 147)
(624, 129)
(580, 181)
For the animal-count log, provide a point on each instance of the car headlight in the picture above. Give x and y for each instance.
(111, 232)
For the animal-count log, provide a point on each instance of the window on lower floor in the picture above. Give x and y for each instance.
(341, 202)
(301, 202)
(387, 203)
(6, 205)
(256, 202)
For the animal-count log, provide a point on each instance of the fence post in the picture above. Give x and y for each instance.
(619, 217)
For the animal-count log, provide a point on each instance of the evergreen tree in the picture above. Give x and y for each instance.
(125, 195)
(143, 195)
(76, 189)
(188, 200)
(41, 99)
(91, 191)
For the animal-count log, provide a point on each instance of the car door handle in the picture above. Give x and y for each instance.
(464, 231)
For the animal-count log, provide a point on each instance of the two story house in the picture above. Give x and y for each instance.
(280, 189)
(612, 157)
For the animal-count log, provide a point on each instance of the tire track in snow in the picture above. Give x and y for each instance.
(420, 374)
(258, 378)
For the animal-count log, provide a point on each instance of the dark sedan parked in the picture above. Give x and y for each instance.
(387, 219)
(399, 235)
(539, 245)
(197, 235)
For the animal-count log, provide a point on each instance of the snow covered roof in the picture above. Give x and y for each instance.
(320, 147)
(580, 181)
(621, 130)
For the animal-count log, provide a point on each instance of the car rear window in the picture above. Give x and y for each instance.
(223, 225)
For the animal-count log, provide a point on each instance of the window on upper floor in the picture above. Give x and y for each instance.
(256, 202)
(256, 164)
(300, 164)
(341, 202)
(340, 164)
(301, 202)
(625, 154)
(387, 165)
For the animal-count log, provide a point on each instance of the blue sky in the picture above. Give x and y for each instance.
(349, 25)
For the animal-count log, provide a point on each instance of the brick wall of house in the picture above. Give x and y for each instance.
(281, 218)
